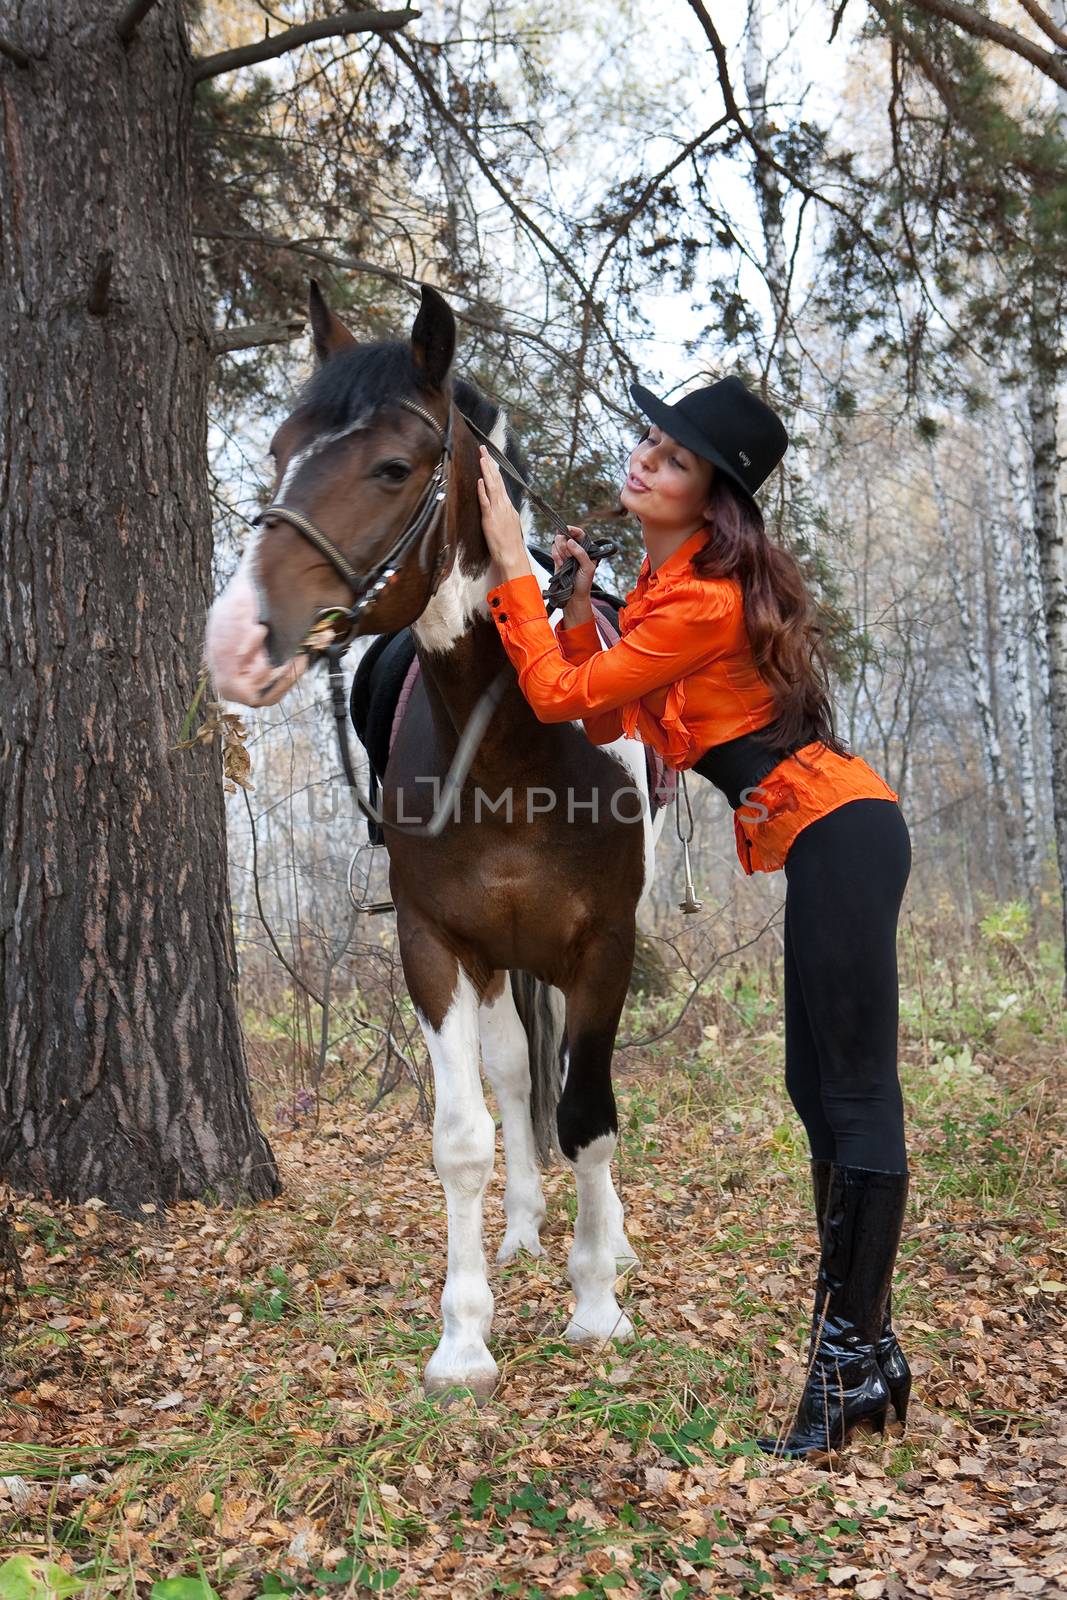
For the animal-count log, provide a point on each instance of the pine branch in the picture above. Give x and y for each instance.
(13, 53)
(1045, 23)
(132, 17)
(254, 334)
(980, 27)
(946, 87)
(762, 154)
(345, 22)
(494, 326)
(938, 80)
(307, 248)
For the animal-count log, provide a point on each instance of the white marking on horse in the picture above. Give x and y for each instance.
(462, 595)
(464, 1140)
(506, 1059)
(250, 560)
(235, 643)
(600, 1249)
(317, 445)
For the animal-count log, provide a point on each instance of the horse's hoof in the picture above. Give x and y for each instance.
(474, 1370)
(454, 1396)
(523, 1237)
(598, 1327)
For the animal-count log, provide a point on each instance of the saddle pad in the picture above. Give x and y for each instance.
(377, 684)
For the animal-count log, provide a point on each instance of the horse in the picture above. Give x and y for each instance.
(548, 852)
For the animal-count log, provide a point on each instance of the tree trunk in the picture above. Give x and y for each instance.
(1005, 515)
(122, 1071)
(1052, 564)
(1047, 360)
(977, 669)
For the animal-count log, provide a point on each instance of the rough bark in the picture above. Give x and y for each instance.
(122, 1071)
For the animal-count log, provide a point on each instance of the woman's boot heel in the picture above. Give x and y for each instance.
(845, 1388)
(899, 1394)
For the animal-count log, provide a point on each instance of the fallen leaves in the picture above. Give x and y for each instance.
(243, 1391)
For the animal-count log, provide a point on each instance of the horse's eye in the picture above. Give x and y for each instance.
(393, 471)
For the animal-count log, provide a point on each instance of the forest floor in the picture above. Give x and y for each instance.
(232, 1399)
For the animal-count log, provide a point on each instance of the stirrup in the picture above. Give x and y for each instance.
(690, 904)
(365, 907)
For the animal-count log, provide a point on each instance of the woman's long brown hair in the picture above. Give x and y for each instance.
(780, 617)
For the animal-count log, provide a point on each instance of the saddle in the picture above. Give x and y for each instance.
(385, 679)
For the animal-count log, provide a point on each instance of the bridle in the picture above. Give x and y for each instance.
(418, 532)
(366, 587)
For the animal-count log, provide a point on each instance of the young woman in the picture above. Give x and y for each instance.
(719, 667)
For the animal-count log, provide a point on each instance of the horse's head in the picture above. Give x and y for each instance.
(357, 522)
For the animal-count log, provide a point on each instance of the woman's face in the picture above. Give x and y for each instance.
(667, 484)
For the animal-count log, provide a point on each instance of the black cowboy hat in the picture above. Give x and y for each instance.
(726, 424)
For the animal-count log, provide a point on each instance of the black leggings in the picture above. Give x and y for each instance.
(845, 879)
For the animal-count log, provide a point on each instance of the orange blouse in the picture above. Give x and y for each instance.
(681, 678)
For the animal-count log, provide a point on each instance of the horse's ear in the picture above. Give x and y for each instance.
(433, 338)
(327, 331)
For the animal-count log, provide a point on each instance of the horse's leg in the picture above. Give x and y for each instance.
(464, 1139)
(587, 1126)
(506, 1059)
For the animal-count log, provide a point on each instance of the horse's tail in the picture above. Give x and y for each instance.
(542, 1012)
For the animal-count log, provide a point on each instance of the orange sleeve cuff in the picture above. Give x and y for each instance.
(579, 643)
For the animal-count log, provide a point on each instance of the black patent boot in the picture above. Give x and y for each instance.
(890, 1357)
(845, 1389)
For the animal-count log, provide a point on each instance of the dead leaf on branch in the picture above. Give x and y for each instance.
(229, 729)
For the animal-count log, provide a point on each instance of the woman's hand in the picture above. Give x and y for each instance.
(579, 607)
(562, 549)
(500, 521)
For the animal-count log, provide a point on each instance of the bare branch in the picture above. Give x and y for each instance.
(1045, 23)
(523, 216)
(132, 17)
(839, 12)
(980, 27)
(733, 111)
(246, 55)
(254, 334)
(493, 325)
(13, 53)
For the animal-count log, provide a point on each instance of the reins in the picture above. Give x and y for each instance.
(560, 586)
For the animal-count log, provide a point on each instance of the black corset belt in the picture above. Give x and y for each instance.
(742, 763)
